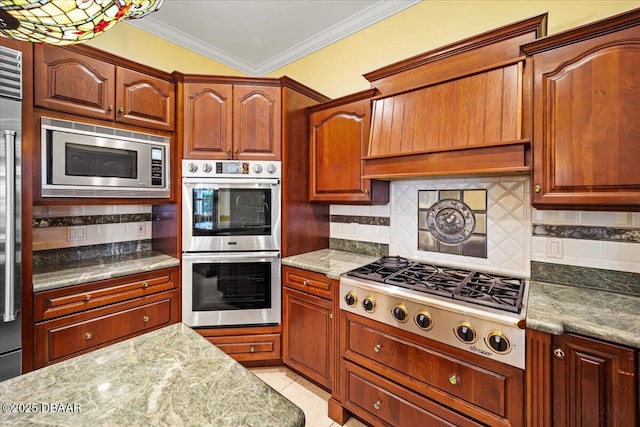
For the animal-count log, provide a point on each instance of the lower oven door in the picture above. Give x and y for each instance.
(231, 289)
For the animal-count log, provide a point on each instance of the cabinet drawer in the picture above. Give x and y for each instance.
(249, 347)
(65, 301)
(442, 374)
(393, 405)
(308, 281)
(64, 337)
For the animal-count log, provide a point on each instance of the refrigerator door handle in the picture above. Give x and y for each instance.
(10, 244)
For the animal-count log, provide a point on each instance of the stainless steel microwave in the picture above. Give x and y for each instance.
(82, 160)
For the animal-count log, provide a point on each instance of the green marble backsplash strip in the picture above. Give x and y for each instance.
(66, 221)
(59, 258)
(359, 247)
(360, 219)
(586, 277)
(613, 234)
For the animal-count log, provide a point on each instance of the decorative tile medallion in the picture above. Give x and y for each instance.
(453, 222)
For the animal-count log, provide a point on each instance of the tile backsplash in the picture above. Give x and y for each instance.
(517, 233)
(61, 227)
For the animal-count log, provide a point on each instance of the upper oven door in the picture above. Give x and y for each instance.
(230, 214)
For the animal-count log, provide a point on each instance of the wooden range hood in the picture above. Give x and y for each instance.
(463, 109)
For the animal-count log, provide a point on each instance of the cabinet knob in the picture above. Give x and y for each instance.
(88, 336)
(376, 405)
(121, 110)
(235, 150)
(377, 348)
(537, 188)
(366, 191)
(558, 353)
(111, 107)
(145, 319)
(330, 315)
(228, 150)
(305, 282)
(454, 380)
(252, 349)
(145, 285)
(87, 297)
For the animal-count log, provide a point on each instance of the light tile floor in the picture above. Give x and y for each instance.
(309, 397)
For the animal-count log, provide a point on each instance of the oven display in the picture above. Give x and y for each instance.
(231, 286)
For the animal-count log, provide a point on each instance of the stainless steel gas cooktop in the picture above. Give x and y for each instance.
(476, 311)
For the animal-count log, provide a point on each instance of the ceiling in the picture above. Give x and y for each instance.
(260, 36)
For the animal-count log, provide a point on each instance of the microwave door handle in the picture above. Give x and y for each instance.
(10, 243)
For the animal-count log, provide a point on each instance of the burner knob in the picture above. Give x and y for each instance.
(193, 167)
(369, 304)
(423, 320)
(498, 342)
(351, 299)
(400, 313)
(465, 333)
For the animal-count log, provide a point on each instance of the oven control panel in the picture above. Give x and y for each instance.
(230, 169)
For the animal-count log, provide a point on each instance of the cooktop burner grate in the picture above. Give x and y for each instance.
(504, 293)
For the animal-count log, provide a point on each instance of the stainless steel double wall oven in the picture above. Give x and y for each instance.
(230, 243)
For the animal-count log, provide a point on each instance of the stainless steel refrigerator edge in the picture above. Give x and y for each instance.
(10, 212)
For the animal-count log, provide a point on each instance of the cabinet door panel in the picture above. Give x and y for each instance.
(593, 383)
(207, 121)
(74, 83)
(309, 335)
(256, 122)
(144, 100)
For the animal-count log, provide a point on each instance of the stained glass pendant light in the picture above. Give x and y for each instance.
(67, 21)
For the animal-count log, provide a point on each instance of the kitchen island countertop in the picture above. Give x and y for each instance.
(610, 316)
(171, 376)
(331, 262)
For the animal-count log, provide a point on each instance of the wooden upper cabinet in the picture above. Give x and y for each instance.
(71, 82)
(586, 134)
(256, 122)
(208, 121)
(339, 137)
(74, 83)
(230, 121)
(144, 100)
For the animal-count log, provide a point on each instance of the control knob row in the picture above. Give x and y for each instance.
(495, 340)
(256, 168)
(399, 312)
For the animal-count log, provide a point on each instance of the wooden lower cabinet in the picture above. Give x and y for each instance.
(579, 381)
(250, 346)
(395, 378)
(77, 319)
(309, 337)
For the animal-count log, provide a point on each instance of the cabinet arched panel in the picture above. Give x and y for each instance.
(144, 100)
(68, 81)
(207, 121)
(256, 128)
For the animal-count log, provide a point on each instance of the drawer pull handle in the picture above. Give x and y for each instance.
(87, 297)
(88, 336)
(558, 353)
(376, 405)
(377, 348)
(454, 380)
(145, 319)
(145, 285)
(252, 349)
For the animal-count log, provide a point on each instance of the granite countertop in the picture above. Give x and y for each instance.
(57, 276)
(331, 262)
(610, 316)
(171, 376)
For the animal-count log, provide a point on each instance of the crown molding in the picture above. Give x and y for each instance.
(369, 16)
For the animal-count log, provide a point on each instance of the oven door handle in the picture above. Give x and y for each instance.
(231, 256)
